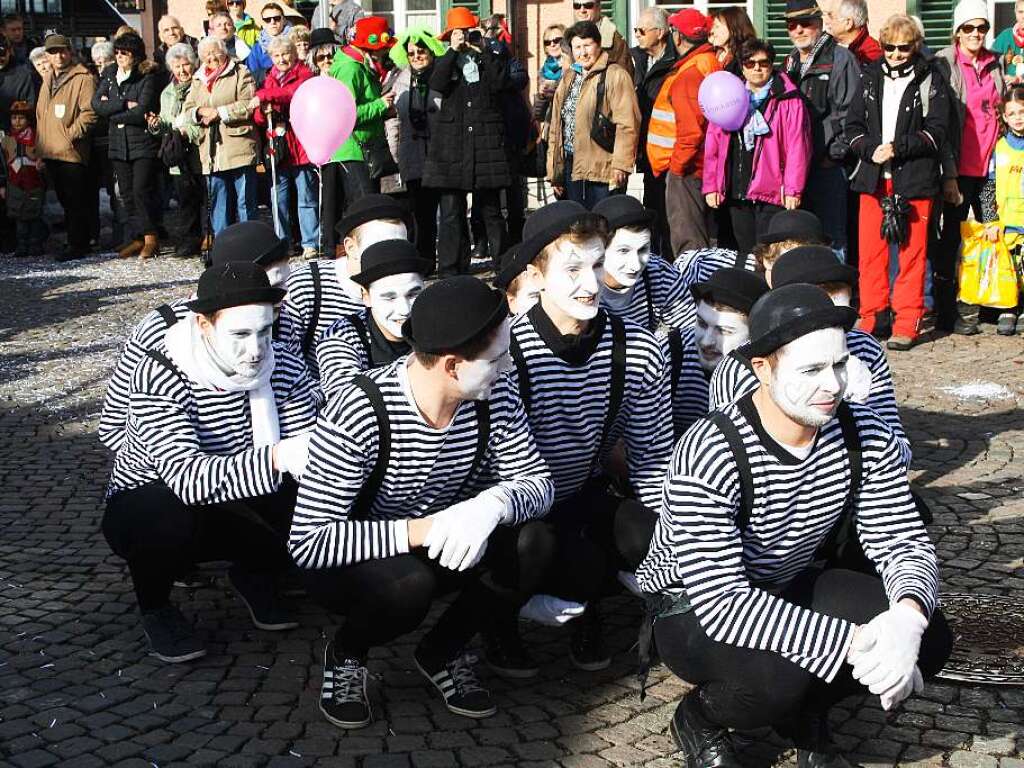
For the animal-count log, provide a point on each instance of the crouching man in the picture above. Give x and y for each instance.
(763, 500)
(418, 471)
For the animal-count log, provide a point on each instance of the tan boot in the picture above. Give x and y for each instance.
(130, 248)
(149, 247)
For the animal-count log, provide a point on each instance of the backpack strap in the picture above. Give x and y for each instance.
(851, 439)
(600, 91)
(675, 357)
(739, 454)
(363, 333)
(652, 321)
(168, 315)
(307, 340)
(165, 361)
(367, 494)
(618, 376)
(522, 372)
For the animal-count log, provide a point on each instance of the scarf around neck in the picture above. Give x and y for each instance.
(1018, 35)
(756, 125)
(188, 348)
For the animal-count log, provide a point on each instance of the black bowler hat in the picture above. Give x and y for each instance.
(794, 225)
(787, 313)
(509, 268)
(547, 224)
(452, 312)
(736, 288)
(390, 257)
(253, 241)
(623, 211)
(371, 207)
(322, 36)
(814, 264)
(233, 284)
(802, 10)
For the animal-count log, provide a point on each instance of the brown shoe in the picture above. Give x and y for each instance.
(149, 247)
(130, 248)
(900, 343)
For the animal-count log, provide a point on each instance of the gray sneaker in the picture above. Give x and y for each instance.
(170, 636)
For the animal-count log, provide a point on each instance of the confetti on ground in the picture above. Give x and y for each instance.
(978, 390)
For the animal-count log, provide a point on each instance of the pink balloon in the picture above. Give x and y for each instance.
(323, 114)
(724, 100)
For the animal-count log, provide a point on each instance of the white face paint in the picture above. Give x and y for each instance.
(717, 333)
(526, 293)
(477, 377)
(241, 337)
(374, 231)
(626, 258)
(810, 378)
(573, 276)
(278, 272)
(391, 299)
(842, 298)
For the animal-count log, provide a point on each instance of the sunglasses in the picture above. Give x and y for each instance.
(122, 52)
(236, 2)
(588, 5)
(554, 41)
(323, 57)
(272, 19)
(640, 31)
(970, 29)
(799, 24)
(901, 47)
(757, 64)
(417, 52)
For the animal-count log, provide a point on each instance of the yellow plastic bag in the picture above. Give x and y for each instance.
(988, 276)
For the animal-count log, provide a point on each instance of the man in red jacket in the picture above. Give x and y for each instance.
(847, 22)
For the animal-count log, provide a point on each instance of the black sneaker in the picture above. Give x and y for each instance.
(507, 656)
(1007, 324)
(192, 580)
(170, 636)
(259, 593)
(343, 698)
(703, 744)
(964, 328)
(814, 745)
(586, 646)
(458, 684)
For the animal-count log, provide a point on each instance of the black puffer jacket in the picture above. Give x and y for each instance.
(467, 142)
(918, 137)
(648, 84)
(127, 134)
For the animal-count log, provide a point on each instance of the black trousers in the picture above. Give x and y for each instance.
(749, 219)
(384, 599)
(423, 202)
(743, 688)
(162, 538)
(453, 256)
(944, 250)
(77, 195)
(191, 192)
(342, 183)
(654, 200)
(138, 187)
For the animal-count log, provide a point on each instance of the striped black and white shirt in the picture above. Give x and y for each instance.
(147, 335)
(427, 470)
(688, 380)
(351, 345)
(699, 264)
(198, 441)
(303, 310)
(731, 577)
(733, 378)
(567, 402)
(659, 298)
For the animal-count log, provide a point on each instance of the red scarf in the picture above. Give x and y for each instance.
(366, 60)
(1018, 35)
(212, 75)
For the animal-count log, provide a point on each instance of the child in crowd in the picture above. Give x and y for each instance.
(1009, 44)
(23, 188)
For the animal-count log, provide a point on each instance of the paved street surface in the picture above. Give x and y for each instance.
(77, 689)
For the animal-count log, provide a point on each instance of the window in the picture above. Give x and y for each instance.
(402, 14)
(937, 17)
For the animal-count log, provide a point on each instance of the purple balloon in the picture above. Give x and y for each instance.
(323, 114)
(724, 100)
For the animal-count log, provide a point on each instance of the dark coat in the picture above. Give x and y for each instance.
(128, 136)
(917, 140)
(467, 141)
(648, 83)
(16, 84)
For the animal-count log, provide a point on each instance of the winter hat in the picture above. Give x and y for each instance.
(390, 257)
(736, 288)
(802, 10)
(253, 241)
(420, 36)
(131, 42)
(322, 36)
(371, 207)
(691, 24)
(814, 264)
(371, 33)
(458, 17)
(787, 313)
(969, 9)
(434, 327)
(793, 225)
(547, 224)
(55, 42)
(233, 284)
(623, 211)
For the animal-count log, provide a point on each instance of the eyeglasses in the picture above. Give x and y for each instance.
(641, 30)
(323, 57)
(970, 29)
(901, 47)
(122, 52)
(272, 19)
(554, 41)
(417, 52)
(588, 5)
(757, 64)
(800, 23)
(236, 2)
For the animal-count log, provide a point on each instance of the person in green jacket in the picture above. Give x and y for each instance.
(246, 28)
(1009, 44)
(350, 175)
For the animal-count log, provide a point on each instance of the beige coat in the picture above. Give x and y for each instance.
(64, 118)
(230, 95)
(591, 162)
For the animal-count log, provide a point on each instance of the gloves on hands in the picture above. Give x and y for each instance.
(458, 535)
(858, 380)
(292, 453)
(884, 654)
(551, 610)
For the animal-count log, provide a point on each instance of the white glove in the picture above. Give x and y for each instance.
(458, 535)
(884, 655)
(628, 580)
(858, 381)
(893, 697)
(292, 454)
(551, 610)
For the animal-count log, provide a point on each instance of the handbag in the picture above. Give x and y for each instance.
(378, 157)
(602, 129)
(173, 149)
(988, 275)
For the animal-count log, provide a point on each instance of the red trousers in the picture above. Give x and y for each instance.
(908, 292)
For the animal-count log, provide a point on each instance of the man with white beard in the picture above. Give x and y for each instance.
(587, 379)
(218, 412)
(753, 601)
(638, 285)
(392, 274)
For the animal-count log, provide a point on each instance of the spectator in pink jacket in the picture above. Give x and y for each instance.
(271, 104)
(761, 168)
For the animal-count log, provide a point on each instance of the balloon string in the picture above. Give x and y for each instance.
(320, 177)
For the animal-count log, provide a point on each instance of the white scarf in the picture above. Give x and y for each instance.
(348, 285)
(188, 348)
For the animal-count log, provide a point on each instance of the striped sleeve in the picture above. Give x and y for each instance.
(882, 395)
(648, 430)
(671, 295)
(341, 355)
(731, 380)
(160, 421)
(297, 408)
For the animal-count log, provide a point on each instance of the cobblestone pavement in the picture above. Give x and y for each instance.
(76, 688)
